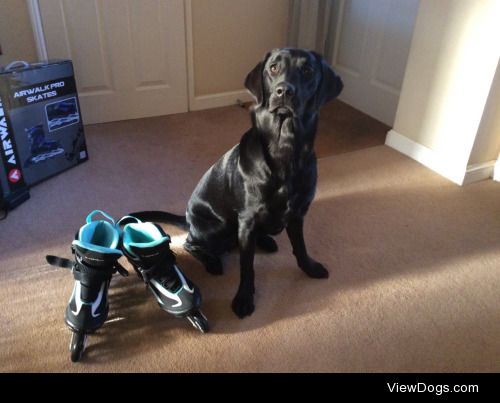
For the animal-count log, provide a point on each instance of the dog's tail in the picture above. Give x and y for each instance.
(162, 216)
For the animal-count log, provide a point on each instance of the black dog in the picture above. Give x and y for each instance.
(266, 182)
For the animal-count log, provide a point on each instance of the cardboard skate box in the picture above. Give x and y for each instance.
(41, 129)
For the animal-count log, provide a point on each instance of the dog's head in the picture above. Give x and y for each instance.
(293, 82)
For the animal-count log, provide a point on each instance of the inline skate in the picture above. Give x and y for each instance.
(96, 252)
(147, 247)
(41, 149)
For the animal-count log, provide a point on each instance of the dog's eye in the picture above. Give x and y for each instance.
(274, 68)
(307, 70)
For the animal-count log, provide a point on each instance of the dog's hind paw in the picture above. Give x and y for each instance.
(243, 305)
(314, 269)
(214, 267)
(267, 243)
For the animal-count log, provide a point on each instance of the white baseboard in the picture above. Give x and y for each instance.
(434, 161)
(218, 100)
(479, 172)
(425, 156)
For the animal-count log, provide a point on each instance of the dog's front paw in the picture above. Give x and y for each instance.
(267, 244)
(314, 269)
(243, 305)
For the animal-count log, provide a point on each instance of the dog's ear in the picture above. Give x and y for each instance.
(254, 81)
(330, 85)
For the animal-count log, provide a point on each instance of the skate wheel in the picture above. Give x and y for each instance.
(77, 345)
(199, 321)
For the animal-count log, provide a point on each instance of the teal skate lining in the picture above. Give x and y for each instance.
(99, 236)
(142, 235)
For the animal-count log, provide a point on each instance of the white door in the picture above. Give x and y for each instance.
(372, 43)
(129, 56)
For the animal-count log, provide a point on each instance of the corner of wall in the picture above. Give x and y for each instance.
(425, 156)
(496, 171)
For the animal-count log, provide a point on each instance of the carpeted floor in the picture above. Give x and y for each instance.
(414, 263)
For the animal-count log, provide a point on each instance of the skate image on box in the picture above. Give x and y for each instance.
(61, 114)
(41, 149)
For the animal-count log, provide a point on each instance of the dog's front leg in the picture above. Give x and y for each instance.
(295, 231)
(243, 301)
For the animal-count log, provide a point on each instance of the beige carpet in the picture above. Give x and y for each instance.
(414, 263)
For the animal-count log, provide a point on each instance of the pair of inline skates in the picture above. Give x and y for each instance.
(97, 247)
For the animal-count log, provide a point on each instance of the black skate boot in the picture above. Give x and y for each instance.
(41, 149)
(96, 253)
(146, 246)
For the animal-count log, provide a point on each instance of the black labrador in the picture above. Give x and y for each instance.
(265, 183)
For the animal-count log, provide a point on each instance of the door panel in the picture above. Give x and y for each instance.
(352, 38)
(372, 43)
(129, 56)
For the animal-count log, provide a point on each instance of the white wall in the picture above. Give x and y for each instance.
(451, 66)
(16, 35)
(487, 143)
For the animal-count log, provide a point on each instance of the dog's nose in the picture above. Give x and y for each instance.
(284, 89)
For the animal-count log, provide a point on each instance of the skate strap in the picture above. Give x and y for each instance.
(121, 270)
(95, 212)
(149, 273)
(127, 219)
(59, 261)
(166, 259)
(86, 270)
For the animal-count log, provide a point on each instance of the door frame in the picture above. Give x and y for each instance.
(38, 34)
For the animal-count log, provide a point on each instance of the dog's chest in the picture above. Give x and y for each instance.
(274, 214)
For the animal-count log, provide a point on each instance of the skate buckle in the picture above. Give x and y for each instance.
(121, 270)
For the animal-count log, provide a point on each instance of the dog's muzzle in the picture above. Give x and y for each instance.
(282, 99)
